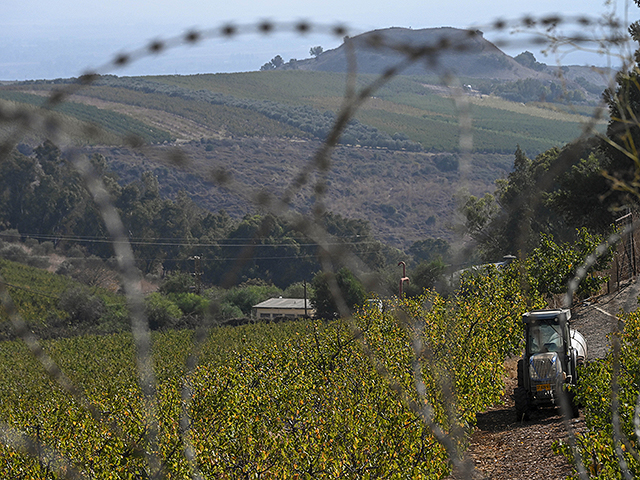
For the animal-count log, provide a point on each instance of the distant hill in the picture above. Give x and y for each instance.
(461, 52)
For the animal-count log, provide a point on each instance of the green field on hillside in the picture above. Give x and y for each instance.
(224, 119)
(36, 294)
(408, 107)
(112, 122)
(299, 103)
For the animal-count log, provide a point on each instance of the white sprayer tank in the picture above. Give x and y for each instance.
(580, 344)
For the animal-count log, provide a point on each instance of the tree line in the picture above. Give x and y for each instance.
(165, 233)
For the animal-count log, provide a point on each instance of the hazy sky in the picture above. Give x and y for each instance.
(61, 38)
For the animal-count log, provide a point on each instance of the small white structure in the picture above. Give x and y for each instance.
(282, 307)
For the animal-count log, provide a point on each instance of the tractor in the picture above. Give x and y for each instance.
(553, 352)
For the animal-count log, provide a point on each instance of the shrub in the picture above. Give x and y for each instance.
(323, 299)
(44, 248)
(177, 283)
(81, 306)
(161, 312)
(246, 296)
(190, 303)
(10, 235)
(31, 242)
(228, 311)
(14, 253)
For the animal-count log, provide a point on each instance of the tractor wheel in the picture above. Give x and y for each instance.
(521, 398)
(521, 373)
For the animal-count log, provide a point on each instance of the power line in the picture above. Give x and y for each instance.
(174, 242)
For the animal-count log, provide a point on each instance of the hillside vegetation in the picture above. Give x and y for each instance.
(267, 125)
(300, 103)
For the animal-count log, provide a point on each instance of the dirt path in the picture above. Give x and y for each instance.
(502, 448)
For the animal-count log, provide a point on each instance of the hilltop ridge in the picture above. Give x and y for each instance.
(445, 50)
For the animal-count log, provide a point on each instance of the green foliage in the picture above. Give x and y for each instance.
(553, 264)
(446, 163)
(602, 449)
(430, 249)
(609, 388)
(190, 303)
(55, 305)
(81, 306)
(479, 214)
(297, 290)
(583, 196)
(425, 276)
(228, 311)
(35, 292)
(161, 311)
(357, 237)
(534, 90)
(554, 194)
(316, 51)
(528, 60)
(275, 62)
(177, 283)
(162, 230)
(350, 289)
(295, 399)
(246, 296)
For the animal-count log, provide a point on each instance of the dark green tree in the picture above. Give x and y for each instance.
(316, 51)
(424, 277)
(622, 143)
(430, 249)
(356, 236)
(17, 178)
(178, 282)
(324, 298)
(274, 63)
(246, 295)
(528, 60)
(556, 193)
(81, 306)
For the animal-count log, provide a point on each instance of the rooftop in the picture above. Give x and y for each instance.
(283, 303)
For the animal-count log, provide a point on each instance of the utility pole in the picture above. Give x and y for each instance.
(304, 284)
(197, 273)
